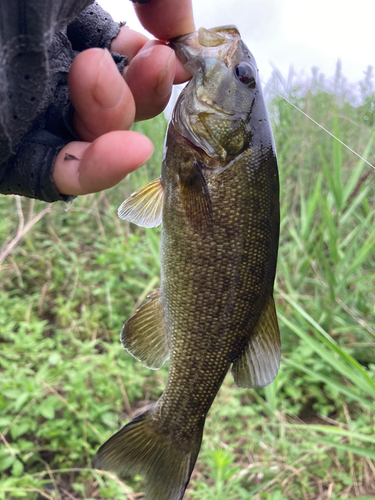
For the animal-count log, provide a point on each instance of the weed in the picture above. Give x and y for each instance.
(69, 279)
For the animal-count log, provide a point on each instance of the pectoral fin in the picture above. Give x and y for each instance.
(144, 207)
(144, 334)
(259, 363)
(195, 197)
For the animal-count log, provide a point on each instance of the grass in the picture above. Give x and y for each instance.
(69, 279)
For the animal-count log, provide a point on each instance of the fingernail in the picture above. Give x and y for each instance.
(165, 80)
(110, 88)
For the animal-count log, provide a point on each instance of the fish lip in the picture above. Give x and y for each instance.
(178, 39)
(177, 43)
(220, 111)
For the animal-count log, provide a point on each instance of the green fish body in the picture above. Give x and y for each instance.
(218, 201)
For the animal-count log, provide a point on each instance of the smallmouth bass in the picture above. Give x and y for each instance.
(218, 201)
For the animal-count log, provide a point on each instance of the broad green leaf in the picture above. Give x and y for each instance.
(17, 468)
(7, 462)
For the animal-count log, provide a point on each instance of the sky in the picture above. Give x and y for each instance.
(284, 33)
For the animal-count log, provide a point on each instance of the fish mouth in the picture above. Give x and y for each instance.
(210, 37)
(180, 45)
(179, 39)
(191, 45)
(190, 50)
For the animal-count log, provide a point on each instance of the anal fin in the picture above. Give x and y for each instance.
(260, 361)
(144, 207)
(144, 334)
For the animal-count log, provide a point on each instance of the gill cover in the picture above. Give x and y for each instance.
(214, 110)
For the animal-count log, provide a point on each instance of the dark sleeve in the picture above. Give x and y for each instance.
(92, 28)
(34, 178)
(28, 169)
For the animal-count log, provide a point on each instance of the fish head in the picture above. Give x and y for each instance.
(220, 106)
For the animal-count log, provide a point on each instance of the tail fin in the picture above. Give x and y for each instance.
(141, 447)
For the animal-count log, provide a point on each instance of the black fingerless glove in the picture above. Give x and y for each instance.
(27, 158)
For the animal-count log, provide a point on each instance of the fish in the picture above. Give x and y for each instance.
(218, 202)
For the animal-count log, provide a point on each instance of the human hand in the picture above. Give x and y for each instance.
(106, 103)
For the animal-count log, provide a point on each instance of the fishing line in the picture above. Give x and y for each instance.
(320, 126)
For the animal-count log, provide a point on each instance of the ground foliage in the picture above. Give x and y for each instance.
(69, 278)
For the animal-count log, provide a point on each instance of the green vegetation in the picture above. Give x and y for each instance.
(69, 280)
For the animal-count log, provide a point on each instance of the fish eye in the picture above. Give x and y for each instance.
(245, 74)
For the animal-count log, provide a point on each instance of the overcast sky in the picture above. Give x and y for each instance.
(302, 33)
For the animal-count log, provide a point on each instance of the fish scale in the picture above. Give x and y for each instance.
(226, 263)
(217, 200)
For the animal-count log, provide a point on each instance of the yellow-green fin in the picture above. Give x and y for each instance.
(144, 207)
(144, 334)
(259, 363)
(195, 197)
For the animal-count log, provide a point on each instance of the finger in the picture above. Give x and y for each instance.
(128, 42)
(165, 19)
(102, 100)
(150, 77)
(82, 167)
(181, 75)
